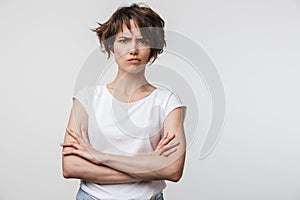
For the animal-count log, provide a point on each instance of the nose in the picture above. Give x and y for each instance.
(134, 50)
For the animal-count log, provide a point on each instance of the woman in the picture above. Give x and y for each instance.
(124, 139)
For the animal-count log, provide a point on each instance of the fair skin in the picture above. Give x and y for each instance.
(131, 54)
(81, 160)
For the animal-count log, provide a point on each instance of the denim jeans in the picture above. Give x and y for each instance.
(82, 195)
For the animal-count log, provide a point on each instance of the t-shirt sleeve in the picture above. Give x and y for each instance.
(83, 97)
(174, 102)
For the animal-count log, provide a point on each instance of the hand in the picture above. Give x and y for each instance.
(166, 146)
(82, 147)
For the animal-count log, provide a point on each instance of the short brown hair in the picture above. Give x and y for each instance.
(149, 22)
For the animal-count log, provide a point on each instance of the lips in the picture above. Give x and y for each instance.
(134, 60)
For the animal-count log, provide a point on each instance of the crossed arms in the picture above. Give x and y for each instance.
(80, 160)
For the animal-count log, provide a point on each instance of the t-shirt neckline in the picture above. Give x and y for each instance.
(134, 102)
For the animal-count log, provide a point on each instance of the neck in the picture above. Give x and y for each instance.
(129, 83)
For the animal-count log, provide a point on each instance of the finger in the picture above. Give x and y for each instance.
(168, 147)
(165, 141)
(172, 136)
(70, 130)
(67, 144)
(169, 152)
(71, 144)
(168, 139)
(172, 144)
(72, 152)
(72, 133)
(166, 135)
(163, 138)
(76, 136)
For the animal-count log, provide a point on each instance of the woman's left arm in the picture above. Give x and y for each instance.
(154, 166)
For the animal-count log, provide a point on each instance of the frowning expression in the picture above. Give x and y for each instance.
(131, 50)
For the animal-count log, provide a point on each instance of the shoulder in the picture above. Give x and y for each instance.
(170, 100)
(164, 92)
(86, 96)
(167, 94)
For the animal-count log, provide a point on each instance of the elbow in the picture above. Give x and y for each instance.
(174, 171)
(66, 173)
(175, 174)
(67, 169)
(175, 177)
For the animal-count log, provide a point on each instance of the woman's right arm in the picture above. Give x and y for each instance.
(76, 167)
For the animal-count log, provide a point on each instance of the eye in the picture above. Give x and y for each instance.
(123, 40)
(142, 41)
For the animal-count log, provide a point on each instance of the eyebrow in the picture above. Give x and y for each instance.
(129, 37)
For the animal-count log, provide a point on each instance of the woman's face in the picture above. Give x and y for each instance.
(131, 50)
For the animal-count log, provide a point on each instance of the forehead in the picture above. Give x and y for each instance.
(134, 30)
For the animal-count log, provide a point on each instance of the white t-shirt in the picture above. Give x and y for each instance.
(130, 129)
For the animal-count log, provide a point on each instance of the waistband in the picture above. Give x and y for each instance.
(84, 195)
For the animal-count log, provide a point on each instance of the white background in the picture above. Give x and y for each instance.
(254, 44)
